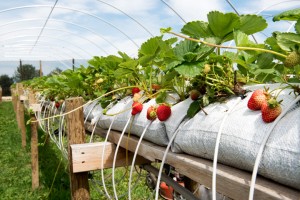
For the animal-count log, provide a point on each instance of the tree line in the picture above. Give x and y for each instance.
(22, 73)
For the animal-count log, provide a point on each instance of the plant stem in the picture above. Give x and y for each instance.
(228, 47)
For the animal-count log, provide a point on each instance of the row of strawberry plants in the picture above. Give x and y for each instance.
(195, 65)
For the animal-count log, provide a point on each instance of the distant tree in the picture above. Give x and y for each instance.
(55, 71)
(5, 83)
(26, 72)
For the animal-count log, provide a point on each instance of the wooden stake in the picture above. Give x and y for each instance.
(76, 135)
(34, 153)
(22, 123)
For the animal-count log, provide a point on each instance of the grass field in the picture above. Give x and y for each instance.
(15, 178)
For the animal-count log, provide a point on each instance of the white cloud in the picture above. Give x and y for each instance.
(192, 10)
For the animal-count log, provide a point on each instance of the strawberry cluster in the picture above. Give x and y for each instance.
(262, 100)
(161, 111)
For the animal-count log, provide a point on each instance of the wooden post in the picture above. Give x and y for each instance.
(22, 123)
(73, 64)
(41, 70)
(76, 135)
(34, 141)
(34, 153)
(14, 98)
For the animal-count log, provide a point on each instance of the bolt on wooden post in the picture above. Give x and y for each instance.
(76, 135)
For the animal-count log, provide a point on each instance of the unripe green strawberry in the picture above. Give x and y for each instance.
(257, 98)
(270, 110)
(151, 113)
(292, 59)
(163, 112)
(137, 107)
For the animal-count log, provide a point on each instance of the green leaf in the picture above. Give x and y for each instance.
(184, 47)
(251, 24)
(161, 97)
(165, 30)
(291, 15)
(193, 109)
(297, 26)
(288, 41)
(151, 46)
(222, 24)
(189, 69)
(197, 29)
(265, 60)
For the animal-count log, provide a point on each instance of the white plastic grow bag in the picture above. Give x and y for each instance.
(242, 135)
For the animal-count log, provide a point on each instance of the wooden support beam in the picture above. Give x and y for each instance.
(87, 157)
(34, 153)
(231, 182)
(76, 135)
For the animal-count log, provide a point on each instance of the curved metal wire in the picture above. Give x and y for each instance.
(173, 10)
(56, 29)
(56, 48)
(66, 22)
(127, 16)
(24, 36)
(41, 32)
(75, 10)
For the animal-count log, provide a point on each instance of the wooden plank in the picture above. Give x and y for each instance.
(34, 153)
(231, 182)
(76, 134)
(87, 157)
(36, 107)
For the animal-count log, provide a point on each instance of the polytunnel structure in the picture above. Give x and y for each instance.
(163, 99)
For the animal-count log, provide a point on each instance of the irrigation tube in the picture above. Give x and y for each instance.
(185, 120)
(262, 147)
(115, 156)
(134, 157)
(102, 158)
(214, 177)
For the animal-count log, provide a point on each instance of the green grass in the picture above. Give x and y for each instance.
(15, 177)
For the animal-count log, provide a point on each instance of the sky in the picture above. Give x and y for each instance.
(82, 29)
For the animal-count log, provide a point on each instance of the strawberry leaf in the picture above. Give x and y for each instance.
(252, 23)
(288, 41)
(197, 29)
(189, 69)
(222, 24)
(291, 15)
(193, 109)
(297, 26)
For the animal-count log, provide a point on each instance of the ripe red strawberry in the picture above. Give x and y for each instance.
(257, 98)
(163, 112)
(270, 110)
(135, 90)
(194, 94)
(137, 107)
(57, 104)
(151, 113)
